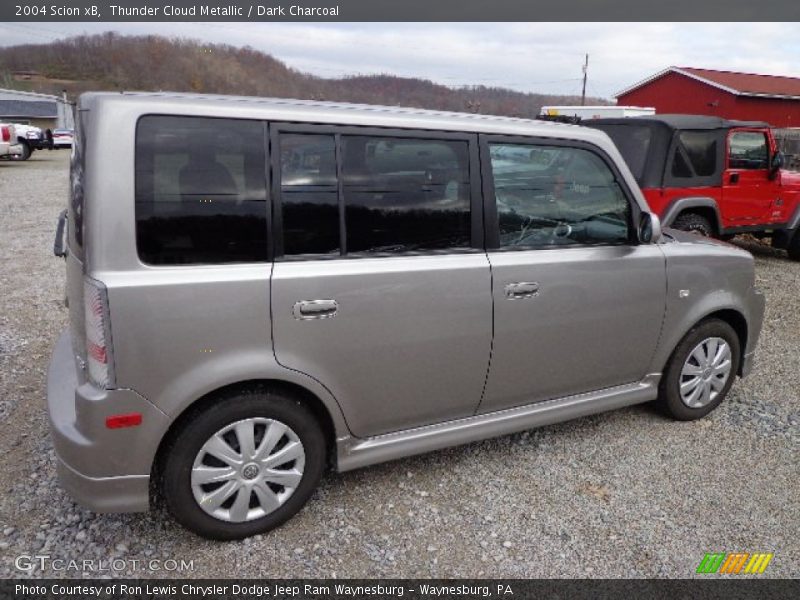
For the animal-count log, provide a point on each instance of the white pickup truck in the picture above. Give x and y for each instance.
(30, 138)
(9, 146)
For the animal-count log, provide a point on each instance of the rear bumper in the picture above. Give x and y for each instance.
(105, 470)
(105, 494)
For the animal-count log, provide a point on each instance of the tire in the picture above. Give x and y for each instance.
(694, 223)
(187, 461)
(26, 152)
(673, 402)
(793, 247)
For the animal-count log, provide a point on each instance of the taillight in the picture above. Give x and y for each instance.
(6, 133)
(98, 334)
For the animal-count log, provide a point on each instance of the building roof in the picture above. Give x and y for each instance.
(28, 109)
(739, 84)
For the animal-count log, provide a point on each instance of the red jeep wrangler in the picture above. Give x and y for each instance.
(711, 176)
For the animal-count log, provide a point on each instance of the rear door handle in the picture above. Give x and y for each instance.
(315, 309)
(522, 289)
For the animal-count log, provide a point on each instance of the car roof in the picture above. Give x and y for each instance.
(680, 122)
(325, 112)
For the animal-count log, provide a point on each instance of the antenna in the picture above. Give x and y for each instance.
(585, 75)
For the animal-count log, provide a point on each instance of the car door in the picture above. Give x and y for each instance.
(748, 193)
(578, 302)
(381, 289)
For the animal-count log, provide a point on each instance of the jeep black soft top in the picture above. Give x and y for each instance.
(672, 150)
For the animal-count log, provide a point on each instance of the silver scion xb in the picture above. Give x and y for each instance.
(261, 288)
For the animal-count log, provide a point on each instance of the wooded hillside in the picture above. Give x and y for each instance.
(149, 63)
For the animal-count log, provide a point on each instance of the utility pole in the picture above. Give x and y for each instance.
(585, 75)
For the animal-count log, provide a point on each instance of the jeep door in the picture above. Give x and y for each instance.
(381, 289)
(749, 196)
(578, 302)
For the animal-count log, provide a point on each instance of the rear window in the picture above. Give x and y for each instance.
(633, 142)
(201, 195)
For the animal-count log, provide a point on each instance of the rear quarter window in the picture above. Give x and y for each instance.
(201, 194)
(633, 142)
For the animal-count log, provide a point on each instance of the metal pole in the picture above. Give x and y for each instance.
(585, 75)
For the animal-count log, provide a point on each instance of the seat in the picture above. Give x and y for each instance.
(205, 177)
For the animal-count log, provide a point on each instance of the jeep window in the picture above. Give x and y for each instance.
(680, 164)
(633, 142)
(701, 149)
(405, 194)
(309, 200)
(389, 195)
(748, 150)
(554, 196)
(200, 191)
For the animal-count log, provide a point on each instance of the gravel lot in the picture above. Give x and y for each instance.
(624, 494)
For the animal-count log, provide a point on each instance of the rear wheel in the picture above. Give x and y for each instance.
(701, 371)
(793, 247)
(26, 152)
(243, 466)
(694, 223)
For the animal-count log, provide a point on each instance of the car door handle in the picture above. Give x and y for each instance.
(734, 178)
(522, 289)
(315, 309)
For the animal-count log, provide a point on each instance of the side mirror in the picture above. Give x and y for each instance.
(649, 228)
(776, 164)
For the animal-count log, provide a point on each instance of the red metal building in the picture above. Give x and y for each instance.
(744, 96)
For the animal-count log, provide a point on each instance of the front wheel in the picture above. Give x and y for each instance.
(701, 371)
(243, 466)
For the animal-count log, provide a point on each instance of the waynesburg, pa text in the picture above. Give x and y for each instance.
(266, 590)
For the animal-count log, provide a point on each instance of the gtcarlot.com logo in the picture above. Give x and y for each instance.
(735, 563)
(45, 563)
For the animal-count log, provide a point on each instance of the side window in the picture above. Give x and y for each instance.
(553, 196)
(309, 200)
(701, 150)
(680, 164)
(200, 191)
(748, 150)
(397, 194)
(404, 195)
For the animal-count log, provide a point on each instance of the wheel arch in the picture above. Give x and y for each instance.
(701, 205)
(738, 322)
(303, 395)
(732, 317)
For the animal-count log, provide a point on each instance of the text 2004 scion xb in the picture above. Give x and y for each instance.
(260, 288)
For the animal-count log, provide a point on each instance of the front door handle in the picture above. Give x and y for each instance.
(315, 309)
(734, 178)
(522, 289)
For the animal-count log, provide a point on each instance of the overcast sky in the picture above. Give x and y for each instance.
(537, 57)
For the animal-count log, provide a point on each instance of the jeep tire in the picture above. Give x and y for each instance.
(694, 223)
